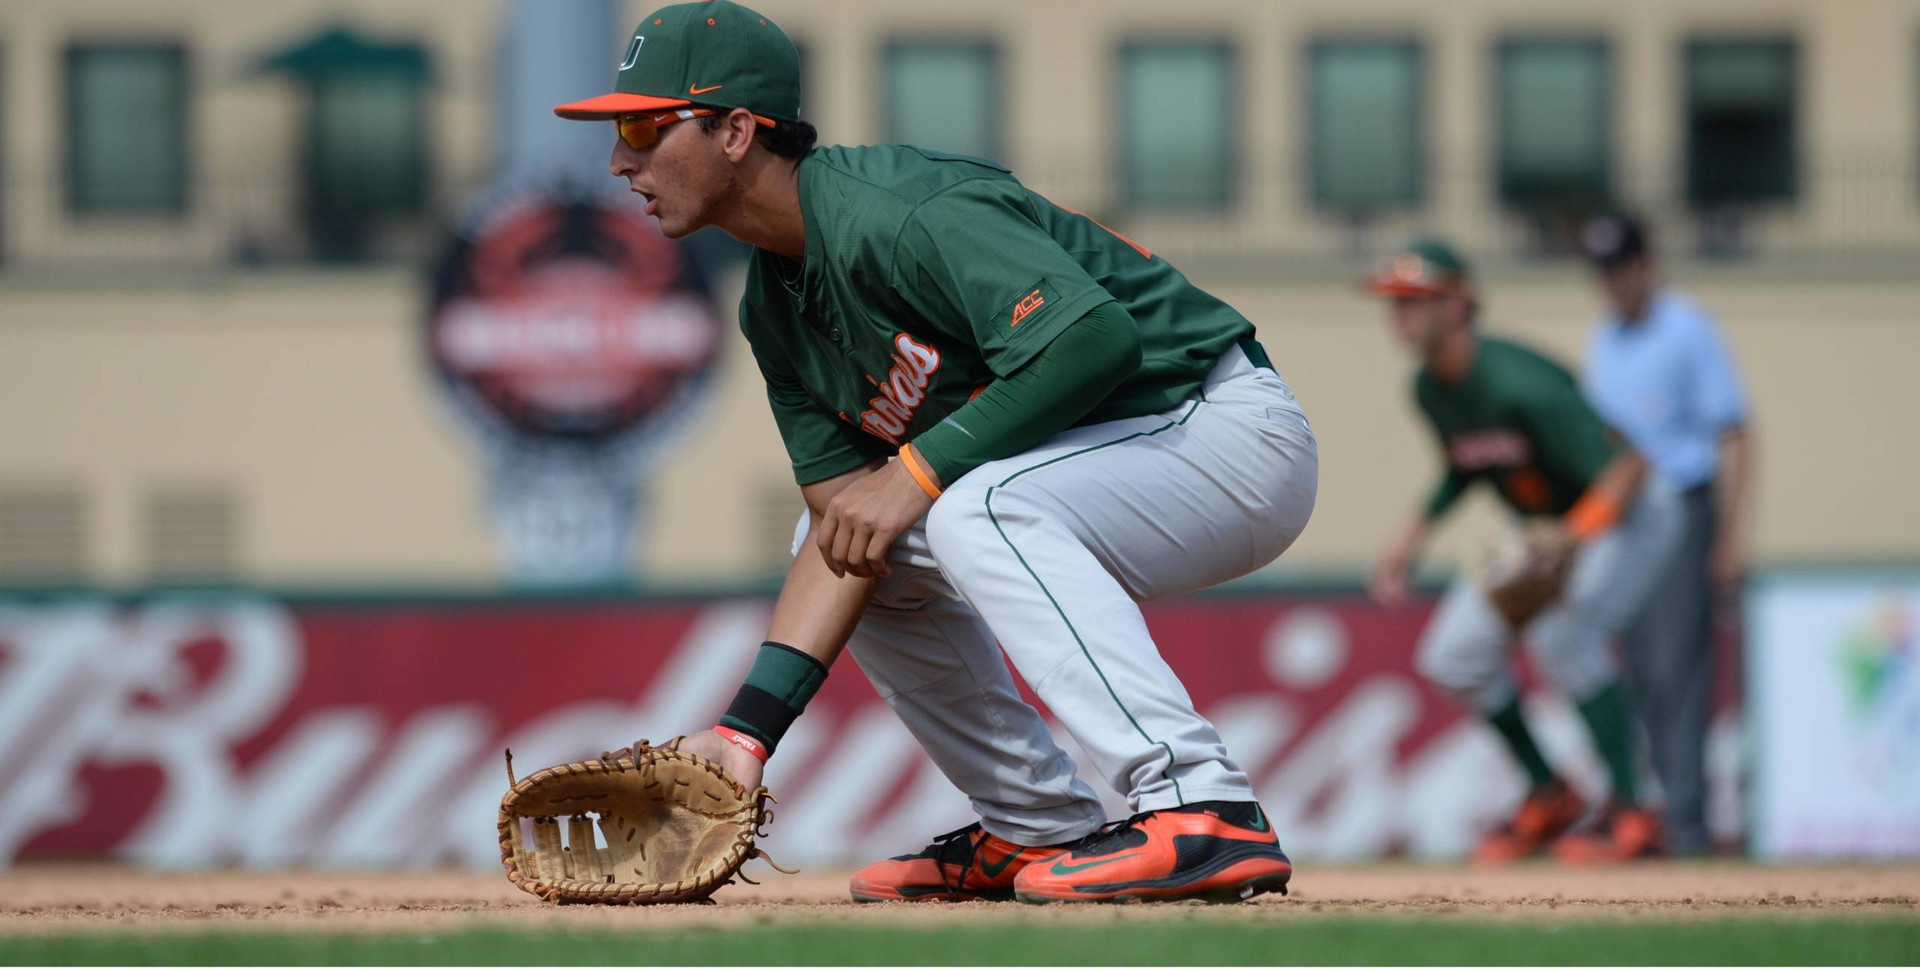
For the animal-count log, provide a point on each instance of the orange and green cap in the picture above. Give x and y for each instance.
(714, 53)
(1425, 268)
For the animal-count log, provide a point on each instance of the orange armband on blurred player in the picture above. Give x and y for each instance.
(1592, 514)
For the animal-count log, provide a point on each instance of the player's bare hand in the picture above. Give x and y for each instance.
(862, 521)
(1387, 583)
(744, 766)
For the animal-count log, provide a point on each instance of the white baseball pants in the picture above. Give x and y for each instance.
(1049, 553)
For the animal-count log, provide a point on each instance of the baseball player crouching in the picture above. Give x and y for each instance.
(1604, 526)
(1008, 424)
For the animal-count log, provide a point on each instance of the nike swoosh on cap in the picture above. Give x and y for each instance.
(692, 89)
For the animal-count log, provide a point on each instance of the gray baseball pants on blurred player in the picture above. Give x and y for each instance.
(1467, 647)
(1669, 673)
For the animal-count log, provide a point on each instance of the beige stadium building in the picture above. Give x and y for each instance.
(207, 371)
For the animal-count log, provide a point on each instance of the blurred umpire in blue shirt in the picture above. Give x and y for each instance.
(1659, 371)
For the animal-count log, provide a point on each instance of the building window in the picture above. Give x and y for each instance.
(1553, 113)
(1740, 121)
(126, 128)
(1366, 140)
(368, 144)
(944, 96)
(1176, 115)
(365, 134)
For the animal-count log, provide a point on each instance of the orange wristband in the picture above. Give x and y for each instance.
(745, 742)
(1590, 515)
(921, 476)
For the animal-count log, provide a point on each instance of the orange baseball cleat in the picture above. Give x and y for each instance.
(1625, 833)
(968, 864)
(1213, 851)
(1546, 813)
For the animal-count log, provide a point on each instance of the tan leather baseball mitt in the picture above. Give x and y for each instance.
(676, 827)
(1525, 576)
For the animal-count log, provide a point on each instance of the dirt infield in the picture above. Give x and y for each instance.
(78, 899)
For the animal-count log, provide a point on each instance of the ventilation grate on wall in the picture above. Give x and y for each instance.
(43, 532)
(192, 532)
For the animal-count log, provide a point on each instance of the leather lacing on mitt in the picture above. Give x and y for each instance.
(677, 828)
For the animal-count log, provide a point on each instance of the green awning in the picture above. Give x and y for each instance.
(341, 50)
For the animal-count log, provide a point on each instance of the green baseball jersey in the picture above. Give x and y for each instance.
(1520, 421)
(926, 277)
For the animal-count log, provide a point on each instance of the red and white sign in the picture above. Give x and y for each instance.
(197, 732)
(569, 316)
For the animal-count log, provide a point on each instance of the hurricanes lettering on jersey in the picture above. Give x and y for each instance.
(902, 392)
(1489, 448)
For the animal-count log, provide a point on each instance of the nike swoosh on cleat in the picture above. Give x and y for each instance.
(1230, 853)
(993, 870)
(1062, 867)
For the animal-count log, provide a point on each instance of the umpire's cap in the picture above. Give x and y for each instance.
(1613, 240)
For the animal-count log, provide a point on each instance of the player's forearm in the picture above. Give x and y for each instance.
(812, 620)
(1736, 484)
(1406, 546)
(1412, 538)
(1060, 385)
(1442, 498)
(816, 611)
(1611, 493)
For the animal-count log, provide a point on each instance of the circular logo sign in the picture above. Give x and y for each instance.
(570, 316)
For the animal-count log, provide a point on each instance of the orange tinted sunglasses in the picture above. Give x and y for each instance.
(640, 131)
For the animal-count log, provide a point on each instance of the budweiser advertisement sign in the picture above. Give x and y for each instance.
(260, 732)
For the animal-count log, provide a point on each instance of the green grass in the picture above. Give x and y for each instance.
(1320, 940)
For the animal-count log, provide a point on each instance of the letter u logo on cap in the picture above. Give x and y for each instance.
(633, 51)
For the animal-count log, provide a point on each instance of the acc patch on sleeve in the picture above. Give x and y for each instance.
(1036, 304)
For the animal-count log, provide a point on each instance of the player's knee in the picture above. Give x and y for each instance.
(956, 521)
(1431, 663)
(1577, 665)
(1452, 664)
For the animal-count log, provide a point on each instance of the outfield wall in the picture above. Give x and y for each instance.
(268, 731)
(192, 730)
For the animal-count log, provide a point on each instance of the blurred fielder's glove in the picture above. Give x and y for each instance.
(677, 828)
(1527, 574)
